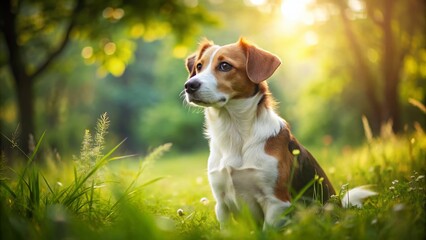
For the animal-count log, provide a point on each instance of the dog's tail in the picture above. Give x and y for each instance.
(356, 196)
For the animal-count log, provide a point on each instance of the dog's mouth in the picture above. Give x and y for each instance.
(198, 102)
(205, 103)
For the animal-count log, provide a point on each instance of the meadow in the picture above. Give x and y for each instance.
(62, 63)
(165, 195)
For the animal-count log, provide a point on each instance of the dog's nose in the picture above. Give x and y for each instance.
(192, 86)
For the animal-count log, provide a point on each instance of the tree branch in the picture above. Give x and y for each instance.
(49, 59)
(8, 27)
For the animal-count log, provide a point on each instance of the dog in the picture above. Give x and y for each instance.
(254, 160)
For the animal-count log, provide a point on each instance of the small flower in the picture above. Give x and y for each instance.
(334, 197)
(420, 178)
(180, 212)
(329, 207)
(59, 184)
(199, 180)
(344, 186)
(296, 152)
(398, 207)
(392, 188)
(204, 201)
(395, 182)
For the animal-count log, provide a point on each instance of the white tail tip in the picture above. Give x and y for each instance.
(356, 196)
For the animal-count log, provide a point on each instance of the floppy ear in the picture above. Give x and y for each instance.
(204, 44)
(190, 63)
(260, 64)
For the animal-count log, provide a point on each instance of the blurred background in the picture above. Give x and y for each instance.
(64, 63)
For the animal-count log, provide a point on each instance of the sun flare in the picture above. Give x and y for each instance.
(296, 12)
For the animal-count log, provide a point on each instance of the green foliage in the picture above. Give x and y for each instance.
(132, 66)
(107, 26)
(170, 123)
(74, 34)
(396, 173)
(32, 196)
(84, 205)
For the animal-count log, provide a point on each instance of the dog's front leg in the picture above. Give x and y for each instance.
(273, 213)
(222, 214)
(224, 193)
(221, 209)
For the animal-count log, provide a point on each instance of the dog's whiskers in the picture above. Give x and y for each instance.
(186, 104)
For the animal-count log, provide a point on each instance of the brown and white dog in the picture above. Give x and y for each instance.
(251, 147)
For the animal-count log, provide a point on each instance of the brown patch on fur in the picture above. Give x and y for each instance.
(275, 146)
(191, 60)
(306, 169)
(203, 46)
(236, 81)
(281, 147)
(268, 100)
(190, 65)
(260, 64)
(250, 67)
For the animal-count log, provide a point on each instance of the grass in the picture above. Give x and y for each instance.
(100, 196)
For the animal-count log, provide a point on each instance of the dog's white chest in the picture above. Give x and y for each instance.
(241, 173)
(247, 179)
(237, 186)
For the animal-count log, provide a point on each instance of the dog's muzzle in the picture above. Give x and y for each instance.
(192, 85)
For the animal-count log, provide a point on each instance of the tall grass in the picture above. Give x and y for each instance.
(90, 198)
(32, 196)
(393, 165)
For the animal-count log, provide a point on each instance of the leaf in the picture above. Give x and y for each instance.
(115, 66)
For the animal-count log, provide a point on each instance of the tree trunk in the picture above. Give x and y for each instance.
(363, 74)
(25, 97)
(23, 82)
(391, 67)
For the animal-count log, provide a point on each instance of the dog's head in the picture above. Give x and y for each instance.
(218, 74)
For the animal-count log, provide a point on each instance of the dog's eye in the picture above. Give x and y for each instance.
(199, 66)
(225, 67)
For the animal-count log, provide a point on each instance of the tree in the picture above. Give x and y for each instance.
(395, 30)
(36, 33)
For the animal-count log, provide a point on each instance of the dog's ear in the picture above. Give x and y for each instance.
(260, 64)
(190, 63)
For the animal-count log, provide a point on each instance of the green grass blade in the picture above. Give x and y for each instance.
(14, 144)
(47, 184)
(298, 196)
(7, 188)
(80, 182)
(34, 153)
(150, 182)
